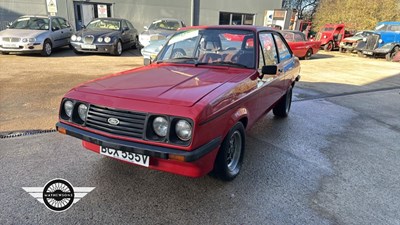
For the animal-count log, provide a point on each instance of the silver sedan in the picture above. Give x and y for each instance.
(35, 34)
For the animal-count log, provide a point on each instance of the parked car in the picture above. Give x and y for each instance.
(105, 35)
(396, 58)
(384, 42)
(159, 29)
(150, 51)
(300, 46)
(349, 44)
(186, 115)
(331, 35)
(35, 34)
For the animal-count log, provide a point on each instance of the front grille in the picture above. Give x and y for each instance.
(131, 124)
(11, 39)
(372, 42)
(88, 39)
(318, 37)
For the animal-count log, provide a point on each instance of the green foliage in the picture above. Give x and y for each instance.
(356, 14)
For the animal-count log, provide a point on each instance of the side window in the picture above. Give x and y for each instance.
(298, 37)
(124, 24)
(130, 25)
(55, 25)
(63, 23)
(283, 50)
(268, 55)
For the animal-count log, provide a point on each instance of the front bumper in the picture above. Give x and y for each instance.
(195, 163)
(376, 52)
(100, 48)
(21, 47)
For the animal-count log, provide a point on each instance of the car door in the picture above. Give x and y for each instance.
(126, 34)
(286, 63)
(269, 85)
(134, 33)
(56, 33)
(66, 30)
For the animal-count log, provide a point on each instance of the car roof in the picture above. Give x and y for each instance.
(390, 22)
(232, 27)
(39, 16)
(169, 19)
(108, 18)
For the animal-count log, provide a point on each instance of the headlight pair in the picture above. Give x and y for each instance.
(173, 129)
(76, 38)
(81, 110)
(106, 39)
(28, 39)
(183, 128)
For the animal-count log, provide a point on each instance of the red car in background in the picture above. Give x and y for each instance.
(299, 44)
(186, 114)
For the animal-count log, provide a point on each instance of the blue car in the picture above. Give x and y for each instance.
(384, 42)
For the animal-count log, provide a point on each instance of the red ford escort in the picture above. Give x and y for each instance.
(187, 112)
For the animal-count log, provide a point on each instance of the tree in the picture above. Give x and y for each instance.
(305, 8)
(356, 14)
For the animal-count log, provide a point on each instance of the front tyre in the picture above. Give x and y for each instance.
(329, 46)
(282, 109)
(47, 48)
(117, 49)
(230, 156)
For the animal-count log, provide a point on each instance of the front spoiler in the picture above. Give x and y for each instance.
(134, 147)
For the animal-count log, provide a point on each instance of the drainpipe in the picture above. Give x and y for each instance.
(194, 13)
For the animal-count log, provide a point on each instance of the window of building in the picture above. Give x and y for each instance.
(227, 18)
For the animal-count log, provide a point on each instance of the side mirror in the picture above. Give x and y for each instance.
(145, 27)
(83, 26)
(55, 28)
(125, 29)
(269, 70)
(8, 25)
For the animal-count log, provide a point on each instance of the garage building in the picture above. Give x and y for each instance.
(143, 12)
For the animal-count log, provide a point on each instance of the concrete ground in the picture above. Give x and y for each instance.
(334, 160)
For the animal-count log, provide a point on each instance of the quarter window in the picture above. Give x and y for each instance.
(283, 50)
(268, 56)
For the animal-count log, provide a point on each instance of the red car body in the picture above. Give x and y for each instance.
(299, 44)
(331, 35)
(215, 99)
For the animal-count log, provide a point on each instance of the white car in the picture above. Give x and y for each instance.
(159, 29)
(35, 34)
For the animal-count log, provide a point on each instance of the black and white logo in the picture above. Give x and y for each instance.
(58, 195)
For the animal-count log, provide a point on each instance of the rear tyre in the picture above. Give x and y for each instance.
(282, 109)
(328, 47)
(47, 48)
(230, 156)
(308, 54)
(360, 54)
(342, 50)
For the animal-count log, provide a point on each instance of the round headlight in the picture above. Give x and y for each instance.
(32, 39)
(24, 39)
(160, 126)
(68, 107)
(82, 111)
(107, 39)
(380, 41)
(100, 39)
(324, 36)
(364, 39)
(73, 37)
(183, 130)
(78, 38)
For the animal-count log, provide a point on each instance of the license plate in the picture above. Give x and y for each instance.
(134, 158)
(88, 46)
(7, 45)
(368, 52)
